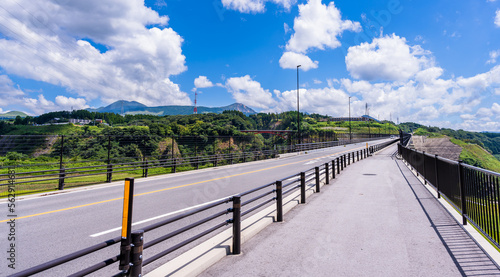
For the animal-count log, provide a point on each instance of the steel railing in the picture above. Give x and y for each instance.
(472, 191)
(243, 204)
(58, 178)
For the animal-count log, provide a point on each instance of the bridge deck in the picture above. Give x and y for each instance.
(375, 219)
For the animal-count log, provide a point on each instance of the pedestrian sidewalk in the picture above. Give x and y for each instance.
(374, 219)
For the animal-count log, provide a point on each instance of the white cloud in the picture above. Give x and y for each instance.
(317, 82)
(290, 60)
(255, 6)
(249, 92)
(44, 42)
(497, 18)
(203, 82)
(493, 57)
(386, 58)
(318, 26)
(329, 101)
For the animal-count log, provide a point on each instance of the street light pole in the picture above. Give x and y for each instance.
(350, 134)
(298, 110)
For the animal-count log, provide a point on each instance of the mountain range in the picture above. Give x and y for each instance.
(132, 107)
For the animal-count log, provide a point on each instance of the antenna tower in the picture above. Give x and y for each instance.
(195, 106)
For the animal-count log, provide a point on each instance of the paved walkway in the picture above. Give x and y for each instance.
(375, 219)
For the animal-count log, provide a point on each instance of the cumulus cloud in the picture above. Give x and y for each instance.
(497, 18)
(386, 58)
(255, 6)
(15, 98)
(493, 57)
(249, 92)
(318, 26)
(203, 82)
(290, 60)
(94, 50)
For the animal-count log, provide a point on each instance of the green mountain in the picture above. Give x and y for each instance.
(133, 107)
(13, 114)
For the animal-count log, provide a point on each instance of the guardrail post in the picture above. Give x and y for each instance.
(197, 162)
(327, 174)
(316, 172)
(279, 201)
(302, 187)
(338, 165)
(109, 173)
(357, 154)
(215, 161)
(345, 162)
(174, 168)
(333, 169)
(437, 176)
(128, 197)
(461, 182)
(348, 158)
(423, 163)
(236, 225)
(62, 175)
(136, 253)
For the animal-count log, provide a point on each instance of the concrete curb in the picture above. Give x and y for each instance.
(200, 258)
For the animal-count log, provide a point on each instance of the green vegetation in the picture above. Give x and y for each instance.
(475, 155)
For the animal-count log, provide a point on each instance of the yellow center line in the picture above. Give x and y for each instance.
(181, 186)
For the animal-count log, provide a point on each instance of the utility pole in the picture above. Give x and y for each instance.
(350, 134)
(298, 110)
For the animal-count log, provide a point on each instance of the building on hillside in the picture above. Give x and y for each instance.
(361, 118)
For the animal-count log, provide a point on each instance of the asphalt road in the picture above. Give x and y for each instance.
(51, 226)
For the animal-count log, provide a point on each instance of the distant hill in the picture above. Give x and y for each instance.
(13, 114)
(133, 107)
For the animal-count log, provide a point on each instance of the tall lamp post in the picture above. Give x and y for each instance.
(350, 135)
(298, 110)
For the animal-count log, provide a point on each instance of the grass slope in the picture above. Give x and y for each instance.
(474, 155)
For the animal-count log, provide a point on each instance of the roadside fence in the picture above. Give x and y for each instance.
(474, 192)
(170, 156)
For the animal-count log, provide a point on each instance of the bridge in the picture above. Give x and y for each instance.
(348, 210)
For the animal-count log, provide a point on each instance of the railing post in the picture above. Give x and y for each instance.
(128, 197)
(345, 162)
(316, 172)
(236, 225)
(279, 201)
(62, 175)
(348, 158)
(423, 173)
(357, 154)
(136, 253)
(461, 181)
(146, 169)
(174, 167)
(109, 173)
(302, 187)
(197, 162)
(437, 176)
(327, 174)
(333, 169)
(338, 165)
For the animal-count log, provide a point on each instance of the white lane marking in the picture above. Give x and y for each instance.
(156, 217)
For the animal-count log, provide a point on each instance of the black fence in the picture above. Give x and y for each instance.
(472, 191)
(134, 157)
(216, 215)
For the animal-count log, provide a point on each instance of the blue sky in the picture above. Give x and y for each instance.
(431, 62)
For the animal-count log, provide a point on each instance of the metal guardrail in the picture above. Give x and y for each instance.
(472, 191)
(42, 180)
(131, 254)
